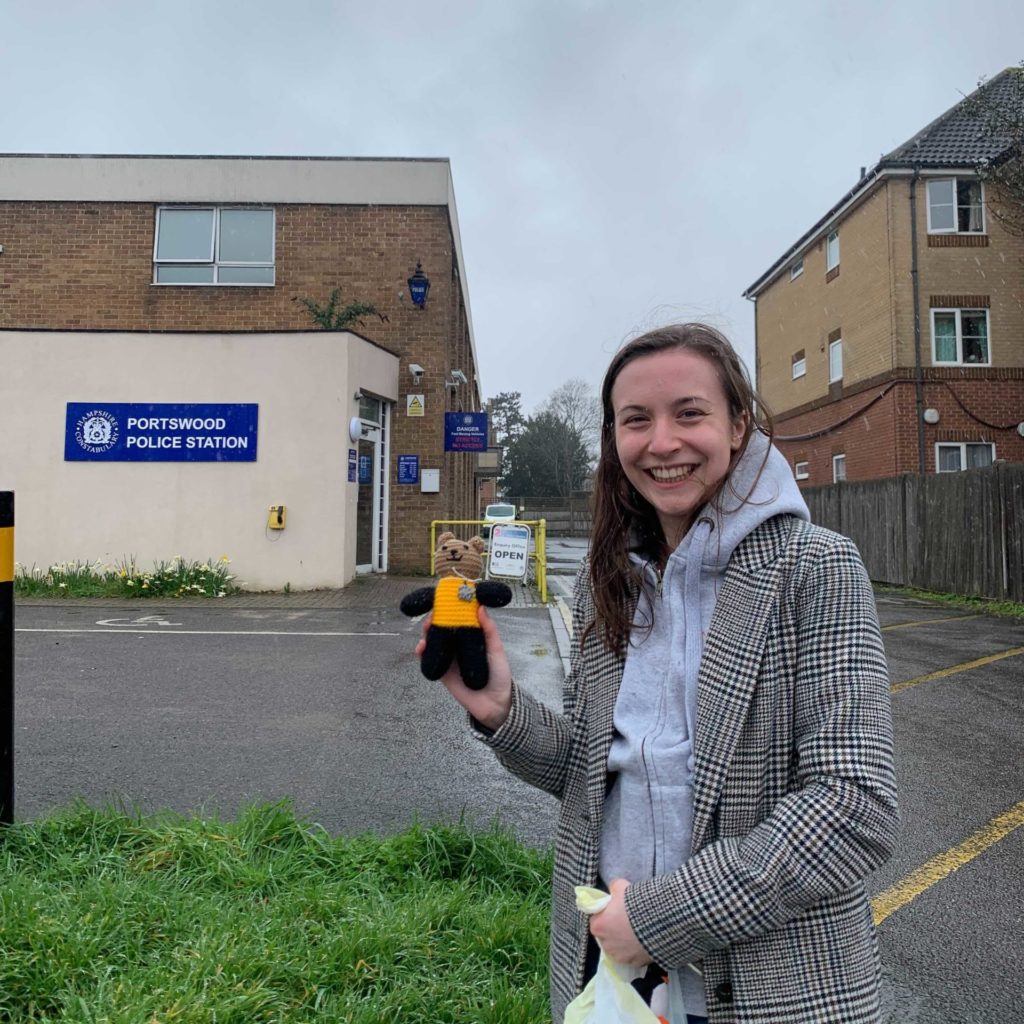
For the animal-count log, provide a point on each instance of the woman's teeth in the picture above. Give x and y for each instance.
(669, 474)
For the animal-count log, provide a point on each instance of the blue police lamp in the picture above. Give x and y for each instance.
(419, 287)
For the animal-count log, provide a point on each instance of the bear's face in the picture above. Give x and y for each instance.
(462, 558)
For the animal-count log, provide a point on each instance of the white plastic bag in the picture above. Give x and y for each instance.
(609, 998)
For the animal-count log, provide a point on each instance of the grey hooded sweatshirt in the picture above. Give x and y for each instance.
(648, 812)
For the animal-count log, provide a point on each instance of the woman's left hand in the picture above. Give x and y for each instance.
(612, 929)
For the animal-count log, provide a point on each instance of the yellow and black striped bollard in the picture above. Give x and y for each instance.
(6, 657)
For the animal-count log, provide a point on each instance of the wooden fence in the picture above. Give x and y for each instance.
(957, 533)
(566, 517)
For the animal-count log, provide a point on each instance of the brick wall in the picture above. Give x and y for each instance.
(877, 428)
(871, 303)
(88, 266)
(802, 313)
(994, 270)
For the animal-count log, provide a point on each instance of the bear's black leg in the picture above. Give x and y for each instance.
(472, 656)
(439, 651)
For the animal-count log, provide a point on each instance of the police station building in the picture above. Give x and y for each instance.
(165, 389)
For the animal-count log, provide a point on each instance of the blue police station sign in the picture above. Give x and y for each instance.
(159, 432)
(408, 469)
(465, 431)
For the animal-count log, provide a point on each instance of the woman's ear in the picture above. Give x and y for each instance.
(739, 430)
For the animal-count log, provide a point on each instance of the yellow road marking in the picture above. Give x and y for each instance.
(6, 554)
(944, 864)
(928, 622)
(966, 666)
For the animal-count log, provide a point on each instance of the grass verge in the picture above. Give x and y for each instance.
(176, 578)
(107, 916)
(1004, 609)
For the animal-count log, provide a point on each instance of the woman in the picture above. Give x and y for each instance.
(724, 757)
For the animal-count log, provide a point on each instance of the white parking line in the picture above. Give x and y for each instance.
(200, 632)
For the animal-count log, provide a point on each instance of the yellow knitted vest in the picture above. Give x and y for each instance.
(455, 603)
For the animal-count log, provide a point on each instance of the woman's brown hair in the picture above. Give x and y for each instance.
(622, 517)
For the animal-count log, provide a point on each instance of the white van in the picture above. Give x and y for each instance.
(499, 513)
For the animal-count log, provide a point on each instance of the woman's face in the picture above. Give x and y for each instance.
(673, 433)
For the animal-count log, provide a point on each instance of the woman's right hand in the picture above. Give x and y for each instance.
(491, 705)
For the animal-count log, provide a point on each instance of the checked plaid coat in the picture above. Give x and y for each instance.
(795, 797)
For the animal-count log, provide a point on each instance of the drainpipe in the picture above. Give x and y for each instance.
(918, 372)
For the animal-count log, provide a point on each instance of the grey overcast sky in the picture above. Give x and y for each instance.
(617, 163)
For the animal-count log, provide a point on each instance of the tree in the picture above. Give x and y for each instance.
(549, 458)
(507, 422)
(575, 404)
(506, 413)
(998, 108)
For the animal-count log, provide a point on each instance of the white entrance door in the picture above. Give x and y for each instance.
(371, 504)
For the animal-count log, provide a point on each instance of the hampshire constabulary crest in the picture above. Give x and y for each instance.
(97, 431)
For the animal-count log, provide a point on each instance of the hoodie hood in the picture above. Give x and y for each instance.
(760, 487)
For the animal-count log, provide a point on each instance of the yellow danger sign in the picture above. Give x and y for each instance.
(414, 405)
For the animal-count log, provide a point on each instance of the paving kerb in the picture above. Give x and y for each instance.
(376, 591)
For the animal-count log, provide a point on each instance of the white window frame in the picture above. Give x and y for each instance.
(962, 445)
(959, 361)
(213, 261)
(799, 368)
(954, 230)
(833, 347)
(796, 268)
(829, 265)
(837, 461)
(801, 470)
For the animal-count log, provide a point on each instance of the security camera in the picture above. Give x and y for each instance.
(459, 376)
(417, 372)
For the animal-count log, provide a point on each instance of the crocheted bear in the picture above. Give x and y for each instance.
(454, 633)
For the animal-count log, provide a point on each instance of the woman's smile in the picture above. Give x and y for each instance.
(671, 474)
(674, 434)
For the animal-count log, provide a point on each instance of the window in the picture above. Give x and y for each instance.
(838, 468)
(953, 457)
(799, 364)
(213, 245)
(800, 471)
(955, 205)
(796, 268)
(832, 251)
(960, 336)
(835, 360)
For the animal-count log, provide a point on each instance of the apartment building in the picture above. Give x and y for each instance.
(890, 336)
(165, 390)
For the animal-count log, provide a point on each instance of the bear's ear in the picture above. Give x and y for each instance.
(445, 537)
(477, 544)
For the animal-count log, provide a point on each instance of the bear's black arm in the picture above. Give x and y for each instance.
(493, 595)
(418, 602)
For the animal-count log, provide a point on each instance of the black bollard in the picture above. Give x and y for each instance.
(6, 657)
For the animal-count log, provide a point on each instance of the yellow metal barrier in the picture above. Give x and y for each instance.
(539, 554)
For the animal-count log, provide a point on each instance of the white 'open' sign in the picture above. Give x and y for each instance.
(510, 550)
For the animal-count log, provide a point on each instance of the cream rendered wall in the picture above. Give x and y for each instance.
(303, 384)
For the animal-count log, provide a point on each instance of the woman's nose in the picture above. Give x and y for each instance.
(664, 436)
